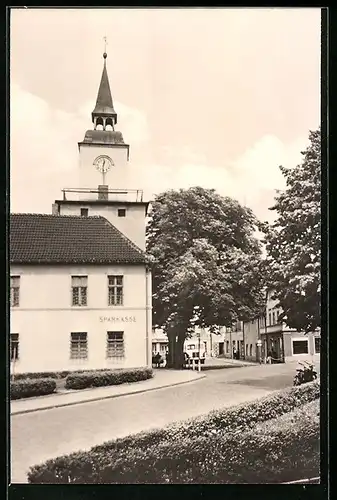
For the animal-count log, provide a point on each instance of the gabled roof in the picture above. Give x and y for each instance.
(64, 239)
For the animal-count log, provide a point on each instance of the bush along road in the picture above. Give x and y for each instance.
(41, 384)
(271, 440)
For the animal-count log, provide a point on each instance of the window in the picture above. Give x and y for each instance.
(79, 286)
(269, 317)
(317, 345)
(227, 347)
(15, 291)
(154, 348)
(84, 212)
(190, 347)
(14, 345)
(115, 345)
(115, 287)
(246, 349)
(121, 212)
(273, 317)
(300, 346)
(251, 350)
(78, 345)
(162, 347)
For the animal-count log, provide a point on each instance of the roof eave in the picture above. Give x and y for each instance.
(78, 262)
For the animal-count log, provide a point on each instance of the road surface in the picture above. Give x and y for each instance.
(38, 436)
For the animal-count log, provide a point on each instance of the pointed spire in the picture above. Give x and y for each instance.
(104, 112)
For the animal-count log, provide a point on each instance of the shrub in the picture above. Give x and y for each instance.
(234, 421)
(56, 375)
(29, 388)
(103, 378)
(280, 450)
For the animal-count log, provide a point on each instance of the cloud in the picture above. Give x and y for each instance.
(44, 158)
(251, 179)
(43, 147)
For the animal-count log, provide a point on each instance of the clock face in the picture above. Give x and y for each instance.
(103, 163)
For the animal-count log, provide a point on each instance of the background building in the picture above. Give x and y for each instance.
(286, 343)
(105, 175)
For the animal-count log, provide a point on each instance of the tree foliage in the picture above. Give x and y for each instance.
(206, 269)
(293, 241)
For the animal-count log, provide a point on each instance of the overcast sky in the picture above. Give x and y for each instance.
(212, 97)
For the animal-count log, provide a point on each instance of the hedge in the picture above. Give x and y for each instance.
(112, 377)
(234, 421)
(56, 375)
(280, 450)
(29, 388)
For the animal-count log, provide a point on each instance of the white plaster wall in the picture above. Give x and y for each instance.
(133, 225)
(46, 318)
(120, 175)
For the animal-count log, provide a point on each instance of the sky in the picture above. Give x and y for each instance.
(212, 97)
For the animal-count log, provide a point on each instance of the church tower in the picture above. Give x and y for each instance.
(105, 174)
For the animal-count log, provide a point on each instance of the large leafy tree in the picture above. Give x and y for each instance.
(206, 264)
(293, 241)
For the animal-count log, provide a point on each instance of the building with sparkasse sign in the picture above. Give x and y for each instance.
(80, 284)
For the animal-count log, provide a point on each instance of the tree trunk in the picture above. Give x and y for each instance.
(171, 341)
(175, 357)
(178, 361)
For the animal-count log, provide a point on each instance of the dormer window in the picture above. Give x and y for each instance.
(84, 212)
(121, 212)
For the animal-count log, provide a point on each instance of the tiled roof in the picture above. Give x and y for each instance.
(64, 239)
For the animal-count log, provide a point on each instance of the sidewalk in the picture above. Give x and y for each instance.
(162, 378)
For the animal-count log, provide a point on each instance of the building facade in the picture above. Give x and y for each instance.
(268, 337)
(105, 174)
(80, 281)
(84, 303)
(284, 343)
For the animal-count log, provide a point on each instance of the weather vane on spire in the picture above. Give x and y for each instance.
(105, 44)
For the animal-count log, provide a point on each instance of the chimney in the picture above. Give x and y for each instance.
(103, 192)
(55, 209)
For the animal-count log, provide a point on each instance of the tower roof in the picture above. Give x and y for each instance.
(104, 105)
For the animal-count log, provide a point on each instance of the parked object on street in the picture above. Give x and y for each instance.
(305, 374)
(194, 353)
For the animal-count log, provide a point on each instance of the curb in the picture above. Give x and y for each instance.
(101, 398)
(222, 367)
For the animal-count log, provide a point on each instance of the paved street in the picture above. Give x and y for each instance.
(49, 433)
